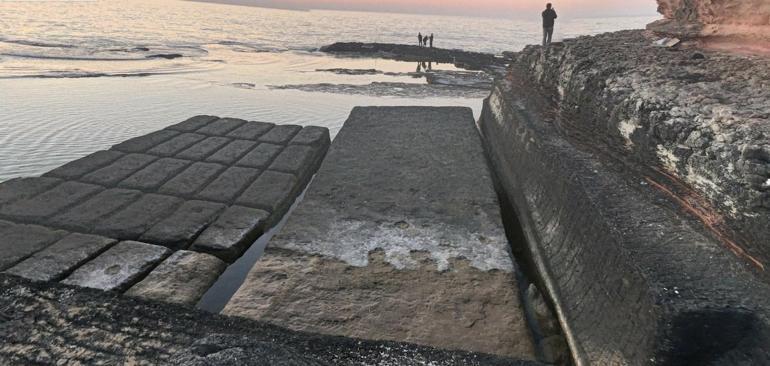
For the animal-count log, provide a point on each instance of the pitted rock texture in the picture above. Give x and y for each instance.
(748, 19)
(698, 127)
(400, 238)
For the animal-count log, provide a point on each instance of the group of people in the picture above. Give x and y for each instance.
(424, 41)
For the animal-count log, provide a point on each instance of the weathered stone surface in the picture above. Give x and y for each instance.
(48, 203)
(193, 123)
(131, 222)
(204, 148)
(221, 126)
(261, 156)
(746, 19)
(399, 237)
(59, 259)
(232, 233)
(313, 136)
(20, 241)
(280, 134)
(119, 170)
(154, 175)
(83, 216)
(229, 154)
(22, 188)
(176, 144)
(119, 267)
(272, 191)
(182, 278)
(296, 159)
(145, 142)
(229, 184)
(45, 323)
(178, 229)
(78, 168)
(251, 130)
(192, 179)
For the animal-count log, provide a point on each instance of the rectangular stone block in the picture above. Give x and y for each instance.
(296, 159)
(251, 130)
(261, 156)
(193, 123)
(145, 142)
(154, 175)
(59, 259)
(78, 168)
(119, 267)
(181, 279)
(312, 135)
(83, 216)
(192, 179)
(204, 148)
(280, 134)
(178, 229)
(176, 144)
(48, 203)
(119, 170)
(231, 153)
(272, 191)
(229, 185)
(134, 220)
(232, 233)
(22, 188)
(18, 242)
(221, 127)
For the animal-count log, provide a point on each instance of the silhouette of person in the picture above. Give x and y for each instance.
(431, 40)
(549, 16)
(430, 66)
(419, 38)
(419, 67)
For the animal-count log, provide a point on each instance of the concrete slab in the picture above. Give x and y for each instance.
(179, 229)
(204, 148)
(48, 203)
(231, 153)
(145, 142)
(21, 188)
(181, 279)
(261, 156)
(62, 257)
(272, 191)
(192, 179)
(251, 130)
(176, 144)
(154, 175)
(134, 220)
(82, 217)
(313, 136)
(193, 123)
(78, 168)
(20, 241)
(281, 134)
(295, 159)
(399, 238)
(119, 170)
(221, 127)
(229, 185)
(119, 267)
(232, 233)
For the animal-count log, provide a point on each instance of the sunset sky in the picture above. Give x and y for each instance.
(498, 8)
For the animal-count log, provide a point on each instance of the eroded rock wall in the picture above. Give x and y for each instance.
(698, 18)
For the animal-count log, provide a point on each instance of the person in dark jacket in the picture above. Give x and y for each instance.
(549, 17)
(431, 40)
(419, 38)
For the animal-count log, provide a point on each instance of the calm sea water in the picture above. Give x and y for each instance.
(79, 76)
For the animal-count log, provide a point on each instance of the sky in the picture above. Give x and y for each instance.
(494, 8)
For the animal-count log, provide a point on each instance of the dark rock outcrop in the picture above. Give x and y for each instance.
(401, 52)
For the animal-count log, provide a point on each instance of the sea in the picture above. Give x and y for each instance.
(79, 76)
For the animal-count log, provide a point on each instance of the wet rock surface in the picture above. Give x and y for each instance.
(398, 238)
(48, 324)
(401, 52)
(390, 89)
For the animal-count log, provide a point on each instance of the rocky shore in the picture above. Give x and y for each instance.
(401, 52)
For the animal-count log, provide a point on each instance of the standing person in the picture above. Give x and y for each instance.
(431, 40)
(549, 16)
(419, 38)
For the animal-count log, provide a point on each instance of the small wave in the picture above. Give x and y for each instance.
(32, 43)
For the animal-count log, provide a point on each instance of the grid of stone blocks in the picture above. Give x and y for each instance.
(202, 190)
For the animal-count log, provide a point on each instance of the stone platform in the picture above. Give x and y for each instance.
(204, 189)
(399, 238)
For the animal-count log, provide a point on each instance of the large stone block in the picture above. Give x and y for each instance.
(261, 156)
(192, 179)
(232, 233)
(193, 123)
(119, 267)
(204, 148)
(154, 175)
(119, 170)
(23, 188)
(146, 142)
(62, 257)
(297, 160)
(272, 191)
(176, 144)
(251, 130)
(312, 135)
(132, 221)
(182, 278)
(178, 229)
(229, 185)
(83, 216)
(221, 126)
(229, 154)
(78, 168)
(280, 134)
(48, 203)
(18, 242)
